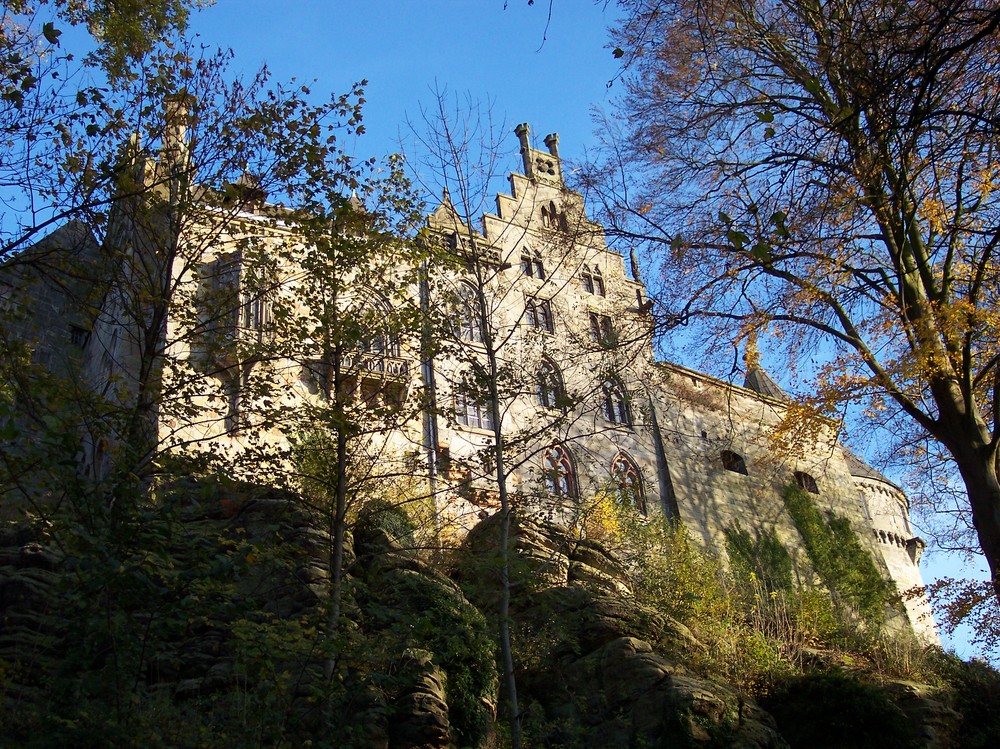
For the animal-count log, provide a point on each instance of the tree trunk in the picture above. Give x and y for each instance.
(978, 469)
(962, 431)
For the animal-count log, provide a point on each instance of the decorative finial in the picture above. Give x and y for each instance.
(634, 261)
(751, 356)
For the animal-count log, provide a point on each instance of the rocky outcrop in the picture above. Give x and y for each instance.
(234, 609)
(604, 670)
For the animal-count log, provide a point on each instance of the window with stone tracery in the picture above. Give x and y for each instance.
(549, 387)
(593, 281)
(627, 482)
(469, 321)
(614, 403)
(557, 471)
(538, 313)
(531, 264)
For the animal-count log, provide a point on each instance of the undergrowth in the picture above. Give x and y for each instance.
(759, 629)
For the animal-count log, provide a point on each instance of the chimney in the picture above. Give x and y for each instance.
(176, 117)
(523, 131)
(552, 143)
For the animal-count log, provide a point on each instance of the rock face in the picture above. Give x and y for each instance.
(607, 671)
(414, 654)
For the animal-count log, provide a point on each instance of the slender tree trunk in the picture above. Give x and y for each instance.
(339, 514)
(506, 646)
(338, 531)
(503, 611)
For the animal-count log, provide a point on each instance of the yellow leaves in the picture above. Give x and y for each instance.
(801, 427)
(600, 519)
(987, 179)
(935, 214)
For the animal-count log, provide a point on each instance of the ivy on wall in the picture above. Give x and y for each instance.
(838, 557)
(764, 558)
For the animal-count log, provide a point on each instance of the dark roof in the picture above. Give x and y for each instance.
(760, 381)
(859, 468)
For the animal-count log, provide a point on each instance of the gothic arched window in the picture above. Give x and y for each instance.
(593, 281)
(470, 325)
(538, 313)
(734, 462)
(549, 387)
(806, 482)
(552, 218)
(627, 482)
(531, 264)
(557, 470)
(378, 339)
(614, 403)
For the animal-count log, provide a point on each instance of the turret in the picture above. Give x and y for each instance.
(176, 118)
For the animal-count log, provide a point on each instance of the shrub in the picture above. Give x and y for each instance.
(387, 517)
(833, 710)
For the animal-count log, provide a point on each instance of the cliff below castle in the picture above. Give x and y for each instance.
(205, 623)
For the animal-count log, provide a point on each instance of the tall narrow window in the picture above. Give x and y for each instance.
(235, 387)
(221, 311)
(377, 339)
(470, 327)
(552, 218)
(531, 264)
(538, 313)
(548, 386)
(601, 331)
(593, 281)
(627, 482)
(557, 469)
(733, 462)
(614, 403)
(806, 482)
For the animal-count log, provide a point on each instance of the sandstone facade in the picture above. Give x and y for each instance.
(587, 407)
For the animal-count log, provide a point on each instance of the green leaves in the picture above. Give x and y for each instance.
(51, 33)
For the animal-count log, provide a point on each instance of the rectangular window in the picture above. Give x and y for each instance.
(471, 414)
(601, 331)
(539, 315)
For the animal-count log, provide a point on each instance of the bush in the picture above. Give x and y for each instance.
(387, 517)
(834, 710)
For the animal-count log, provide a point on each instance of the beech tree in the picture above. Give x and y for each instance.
(825, 172)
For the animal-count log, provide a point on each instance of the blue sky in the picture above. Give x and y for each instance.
(551, 77)
(404, 48)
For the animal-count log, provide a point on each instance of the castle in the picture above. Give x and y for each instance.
(533, 301)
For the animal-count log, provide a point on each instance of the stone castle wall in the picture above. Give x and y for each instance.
(570, 318)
